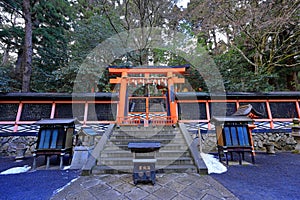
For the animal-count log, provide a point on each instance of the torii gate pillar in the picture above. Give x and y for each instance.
(168, 74)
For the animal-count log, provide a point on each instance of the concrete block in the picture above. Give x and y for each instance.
(80, 157)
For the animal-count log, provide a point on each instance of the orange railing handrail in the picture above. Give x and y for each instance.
(129, 120)
(163, 120)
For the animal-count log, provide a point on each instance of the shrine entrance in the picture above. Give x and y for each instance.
(146, 94)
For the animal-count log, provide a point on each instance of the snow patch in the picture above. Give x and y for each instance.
(213, 164)
(67, 167)
(62, 188)
(16, 170)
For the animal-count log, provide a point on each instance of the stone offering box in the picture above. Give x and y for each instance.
(55, 137)
(234, 136)
(144, 161)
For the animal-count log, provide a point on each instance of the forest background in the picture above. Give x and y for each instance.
(254, 44)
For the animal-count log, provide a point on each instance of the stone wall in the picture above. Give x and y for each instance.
(208, 142)
(282, 141)
(9, 145)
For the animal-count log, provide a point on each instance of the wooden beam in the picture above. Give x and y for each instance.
(146, 70)
(115, 81)
(178, 80)
(118, 79)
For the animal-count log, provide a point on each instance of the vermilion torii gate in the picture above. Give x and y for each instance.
(163, 76)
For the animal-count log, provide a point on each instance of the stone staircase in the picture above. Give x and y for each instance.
(173, 156)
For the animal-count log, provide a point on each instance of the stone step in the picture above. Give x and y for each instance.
(162, 153)
(176, 137)
(146, 133)
(170, 146)
(159, 169)
(160, 161)
(146, 136)
(173, 156)
(161, 141)
(154, 138)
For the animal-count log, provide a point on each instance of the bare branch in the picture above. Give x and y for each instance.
(244, 56)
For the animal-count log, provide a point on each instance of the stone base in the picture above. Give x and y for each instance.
(296, 151)
(270, 148)
(297, 138)
(80, 157)
(20, 153)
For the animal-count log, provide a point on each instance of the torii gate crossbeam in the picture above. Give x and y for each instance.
(163, 75)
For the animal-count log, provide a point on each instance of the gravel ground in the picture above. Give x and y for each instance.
(272, 177)
(33, 185)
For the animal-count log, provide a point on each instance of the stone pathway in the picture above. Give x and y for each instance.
(168, 186)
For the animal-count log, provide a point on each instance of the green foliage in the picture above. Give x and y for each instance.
(264, 33)
(195, 80)
(7, 83)
(89, 31)
(52, 23)
(263, 54)
(239, 76)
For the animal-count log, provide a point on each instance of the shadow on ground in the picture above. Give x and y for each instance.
(35, 184)
(274, 176)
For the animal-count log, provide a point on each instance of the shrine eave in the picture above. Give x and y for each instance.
(147, 69)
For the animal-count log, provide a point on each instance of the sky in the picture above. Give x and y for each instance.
(182, 3)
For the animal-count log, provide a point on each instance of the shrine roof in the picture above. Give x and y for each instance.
(223, 119)
(238, 95)
(57, 121)
(58, 96)
(148, 67)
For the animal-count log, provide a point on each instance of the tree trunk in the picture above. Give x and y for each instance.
(5, 56)
(27, 62)
(215, 39)
(18, 69)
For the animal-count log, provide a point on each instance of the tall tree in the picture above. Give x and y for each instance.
(11, 40)
(27, 52)
(37, 26)
(90, 28)
(266, 33)
(141, 14)
(19, 10)
(51, 41)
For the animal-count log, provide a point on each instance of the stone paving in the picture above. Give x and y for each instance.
(173, 186)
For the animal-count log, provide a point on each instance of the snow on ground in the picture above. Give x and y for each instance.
(67, 167)
(213, 164)
(16, 170)
(62, 188)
